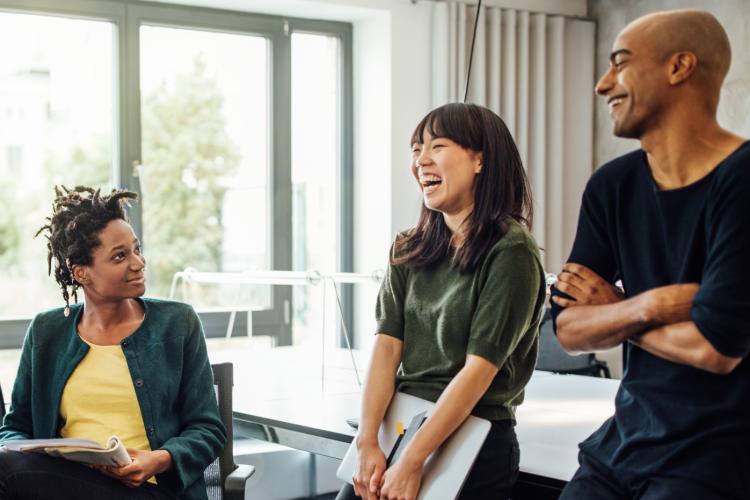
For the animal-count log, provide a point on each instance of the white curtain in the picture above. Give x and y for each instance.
(537, 72)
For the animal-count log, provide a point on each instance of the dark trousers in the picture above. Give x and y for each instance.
(32, 476)
(494, 472)
(595, 481)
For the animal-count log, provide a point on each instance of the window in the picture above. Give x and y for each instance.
(233, 128)
(204, 137)
(57, 90)
(316, 163)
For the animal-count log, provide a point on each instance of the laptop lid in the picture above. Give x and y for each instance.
(447, 468)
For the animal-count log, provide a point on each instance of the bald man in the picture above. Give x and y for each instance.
(672, 222)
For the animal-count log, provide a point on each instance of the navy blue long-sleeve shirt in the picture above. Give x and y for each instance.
(670, 418)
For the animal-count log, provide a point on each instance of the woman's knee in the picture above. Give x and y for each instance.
(11, 462)
(25, 475)
(15, 462)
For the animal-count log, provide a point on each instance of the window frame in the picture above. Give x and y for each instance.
(127, 16)
(345, 177)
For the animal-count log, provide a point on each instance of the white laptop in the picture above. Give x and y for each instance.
(446, 469)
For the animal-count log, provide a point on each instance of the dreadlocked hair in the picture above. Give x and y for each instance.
(72, 231)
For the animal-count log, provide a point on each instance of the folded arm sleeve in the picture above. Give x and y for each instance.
(721, 308)
(389, 309)
(592, 247)
(18, 422)
(202, 434)
(507, 304)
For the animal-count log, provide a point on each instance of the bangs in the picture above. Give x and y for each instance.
(452, 121)
(432, 123)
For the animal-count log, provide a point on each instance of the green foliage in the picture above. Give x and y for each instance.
(186, 156)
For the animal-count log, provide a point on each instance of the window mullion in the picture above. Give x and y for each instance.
(281, 177)
(346, 179)
(130, 112)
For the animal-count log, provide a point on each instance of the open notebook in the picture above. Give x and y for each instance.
(77, 450)
(446, 469)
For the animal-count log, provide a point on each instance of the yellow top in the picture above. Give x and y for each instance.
(99, 400)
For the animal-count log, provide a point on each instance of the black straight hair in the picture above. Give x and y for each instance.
(501, 190)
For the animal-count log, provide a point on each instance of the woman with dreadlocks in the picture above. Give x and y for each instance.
(117, 364)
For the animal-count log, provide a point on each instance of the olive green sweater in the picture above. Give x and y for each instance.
(171, 374)
(442, 315)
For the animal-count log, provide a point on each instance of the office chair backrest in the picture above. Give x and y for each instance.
(553, 358)
(224, 381)
(225, 480)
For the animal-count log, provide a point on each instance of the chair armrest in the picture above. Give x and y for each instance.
(234, 486)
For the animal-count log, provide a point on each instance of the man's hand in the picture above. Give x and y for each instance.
(402, 480)
(585, 287)
(369, 471)
(145, 465)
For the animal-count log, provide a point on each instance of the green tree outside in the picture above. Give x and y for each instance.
(187, 156)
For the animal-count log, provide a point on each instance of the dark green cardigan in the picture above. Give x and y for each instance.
(171, 374)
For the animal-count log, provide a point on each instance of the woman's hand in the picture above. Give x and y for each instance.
(145, 465)
(369, 471)
(402, 480)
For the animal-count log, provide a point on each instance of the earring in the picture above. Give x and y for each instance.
(66, 311)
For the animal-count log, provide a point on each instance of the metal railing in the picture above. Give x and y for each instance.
(308, 278)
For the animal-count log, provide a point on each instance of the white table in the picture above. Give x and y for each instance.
(559, 411)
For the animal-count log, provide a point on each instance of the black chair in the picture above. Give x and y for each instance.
(2, 406)
(226, 480)
(553, 358)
